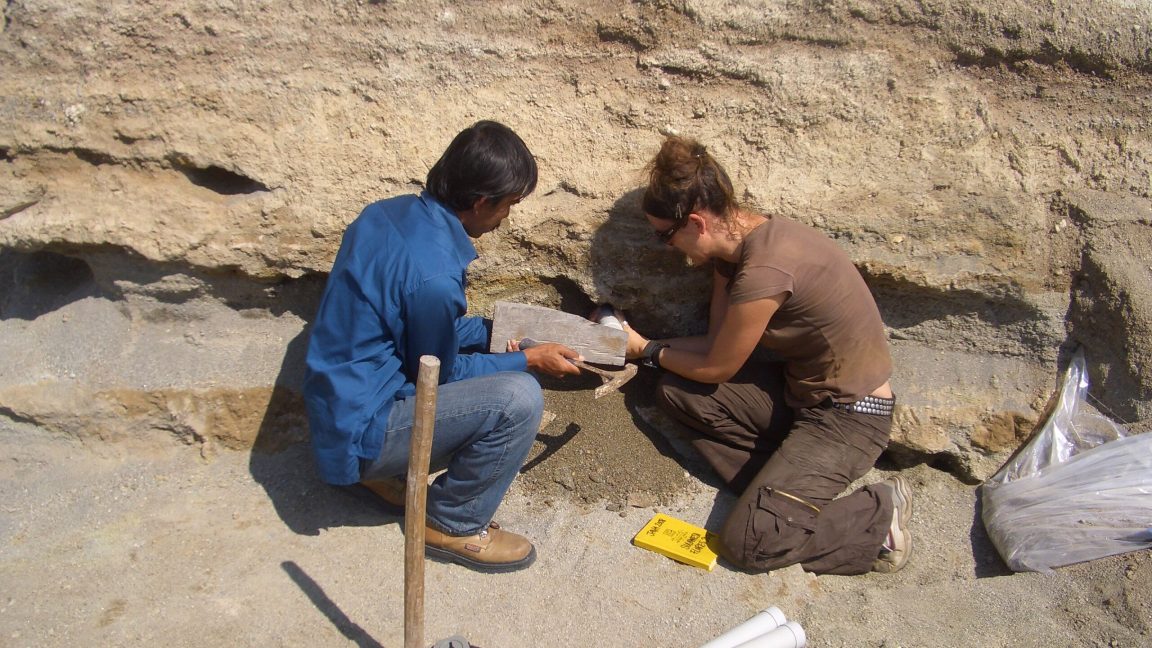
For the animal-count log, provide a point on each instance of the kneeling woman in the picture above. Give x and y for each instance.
(786, 435)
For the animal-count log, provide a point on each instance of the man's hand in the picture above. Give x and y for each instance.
(549, 357)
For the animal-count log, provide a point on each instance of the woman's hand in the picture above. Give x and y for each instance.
(636, 343)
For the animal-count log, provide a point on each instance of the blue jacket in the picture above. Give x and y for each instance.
(395, 293)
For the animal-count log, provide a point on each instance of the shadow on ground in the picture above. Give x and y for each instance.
(281, 462)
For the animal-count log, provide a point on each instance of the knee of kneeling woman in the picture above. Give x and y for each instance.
(666, 392)
(733, 545)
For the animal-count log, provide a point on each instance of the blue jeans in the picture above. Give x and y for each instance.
(484, 429)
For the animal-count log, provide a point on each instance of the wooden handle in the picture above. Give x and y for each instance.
(416, 500)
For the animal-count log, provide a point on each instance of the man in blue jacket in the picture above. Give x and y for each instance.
(396, 293)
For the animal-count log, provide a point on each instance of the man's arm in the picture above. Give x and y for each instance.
(433, 322)
(472, 334)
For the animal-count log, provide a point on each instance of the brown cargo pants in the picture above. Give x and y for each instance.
(787, 466)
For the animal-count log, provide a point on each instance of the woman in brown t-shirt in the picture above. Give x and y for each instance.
(789, 435)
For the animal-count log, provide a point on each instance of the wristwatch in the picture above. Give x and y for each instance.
(651, 354)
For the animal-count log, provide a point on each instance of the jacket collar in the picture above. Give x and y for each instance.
(465, 248)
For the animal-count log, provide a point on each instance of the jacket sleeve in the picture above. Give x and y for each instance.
(473, 334)
(437, 326)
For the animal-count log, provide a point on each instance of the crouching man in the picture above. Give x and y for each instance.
(396, 293)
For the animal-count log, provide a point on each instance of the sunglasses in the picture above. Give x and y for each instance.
(665, 236)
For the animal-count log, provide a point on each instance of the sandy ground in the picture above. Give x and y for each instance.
(177, 547)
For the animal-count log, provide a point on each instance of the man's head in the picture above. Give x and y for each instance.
(484, 171)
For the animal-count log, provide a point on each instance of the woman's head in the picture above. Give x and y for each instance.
(683, 178)
(486, 160)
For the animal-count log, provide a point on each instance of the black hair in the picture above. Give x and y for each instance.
(485, 160)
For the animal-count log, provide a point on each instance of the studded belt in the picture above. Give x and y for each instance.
(868, 405)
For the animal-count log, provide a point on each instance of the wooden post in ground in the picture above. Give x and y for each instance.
(416, 500)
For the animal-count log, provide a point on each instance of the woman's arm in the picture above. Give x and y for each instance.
(736, 338)
(733, 333)
(719, 304)
(697, 343)
(716, 311)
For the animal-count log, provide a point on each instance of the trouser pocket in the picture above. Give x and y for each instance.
(781, 524)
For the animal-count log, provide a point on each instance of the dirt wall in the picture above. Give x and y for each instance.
(176, 178)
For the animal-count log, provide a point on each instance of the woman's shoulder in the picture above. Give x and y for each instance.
(785, 232)
(774, 233)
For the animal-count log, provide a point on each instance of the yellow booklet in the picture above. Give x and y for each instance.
(679, 540)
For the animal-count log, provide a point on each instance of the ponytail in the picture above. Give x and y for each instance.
(682, 178)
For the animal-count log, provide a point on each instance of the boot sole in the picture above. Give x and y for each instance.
(902, 498)
(883, 566)
(902, 503)
(446, 556)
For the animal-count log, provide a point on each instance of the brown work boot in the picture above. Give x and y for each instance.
(493, 550)
(392, 490)
(897, 547)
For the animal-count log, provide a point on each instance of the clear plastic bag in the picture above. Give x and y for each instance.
(1079, 489)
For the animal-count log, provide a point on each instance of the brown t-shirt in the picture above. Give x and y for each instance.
(828, 330)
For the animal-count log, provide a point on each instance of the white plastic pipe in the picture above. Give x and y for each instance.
(789, 635)
(764, 622)
(608, 317)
